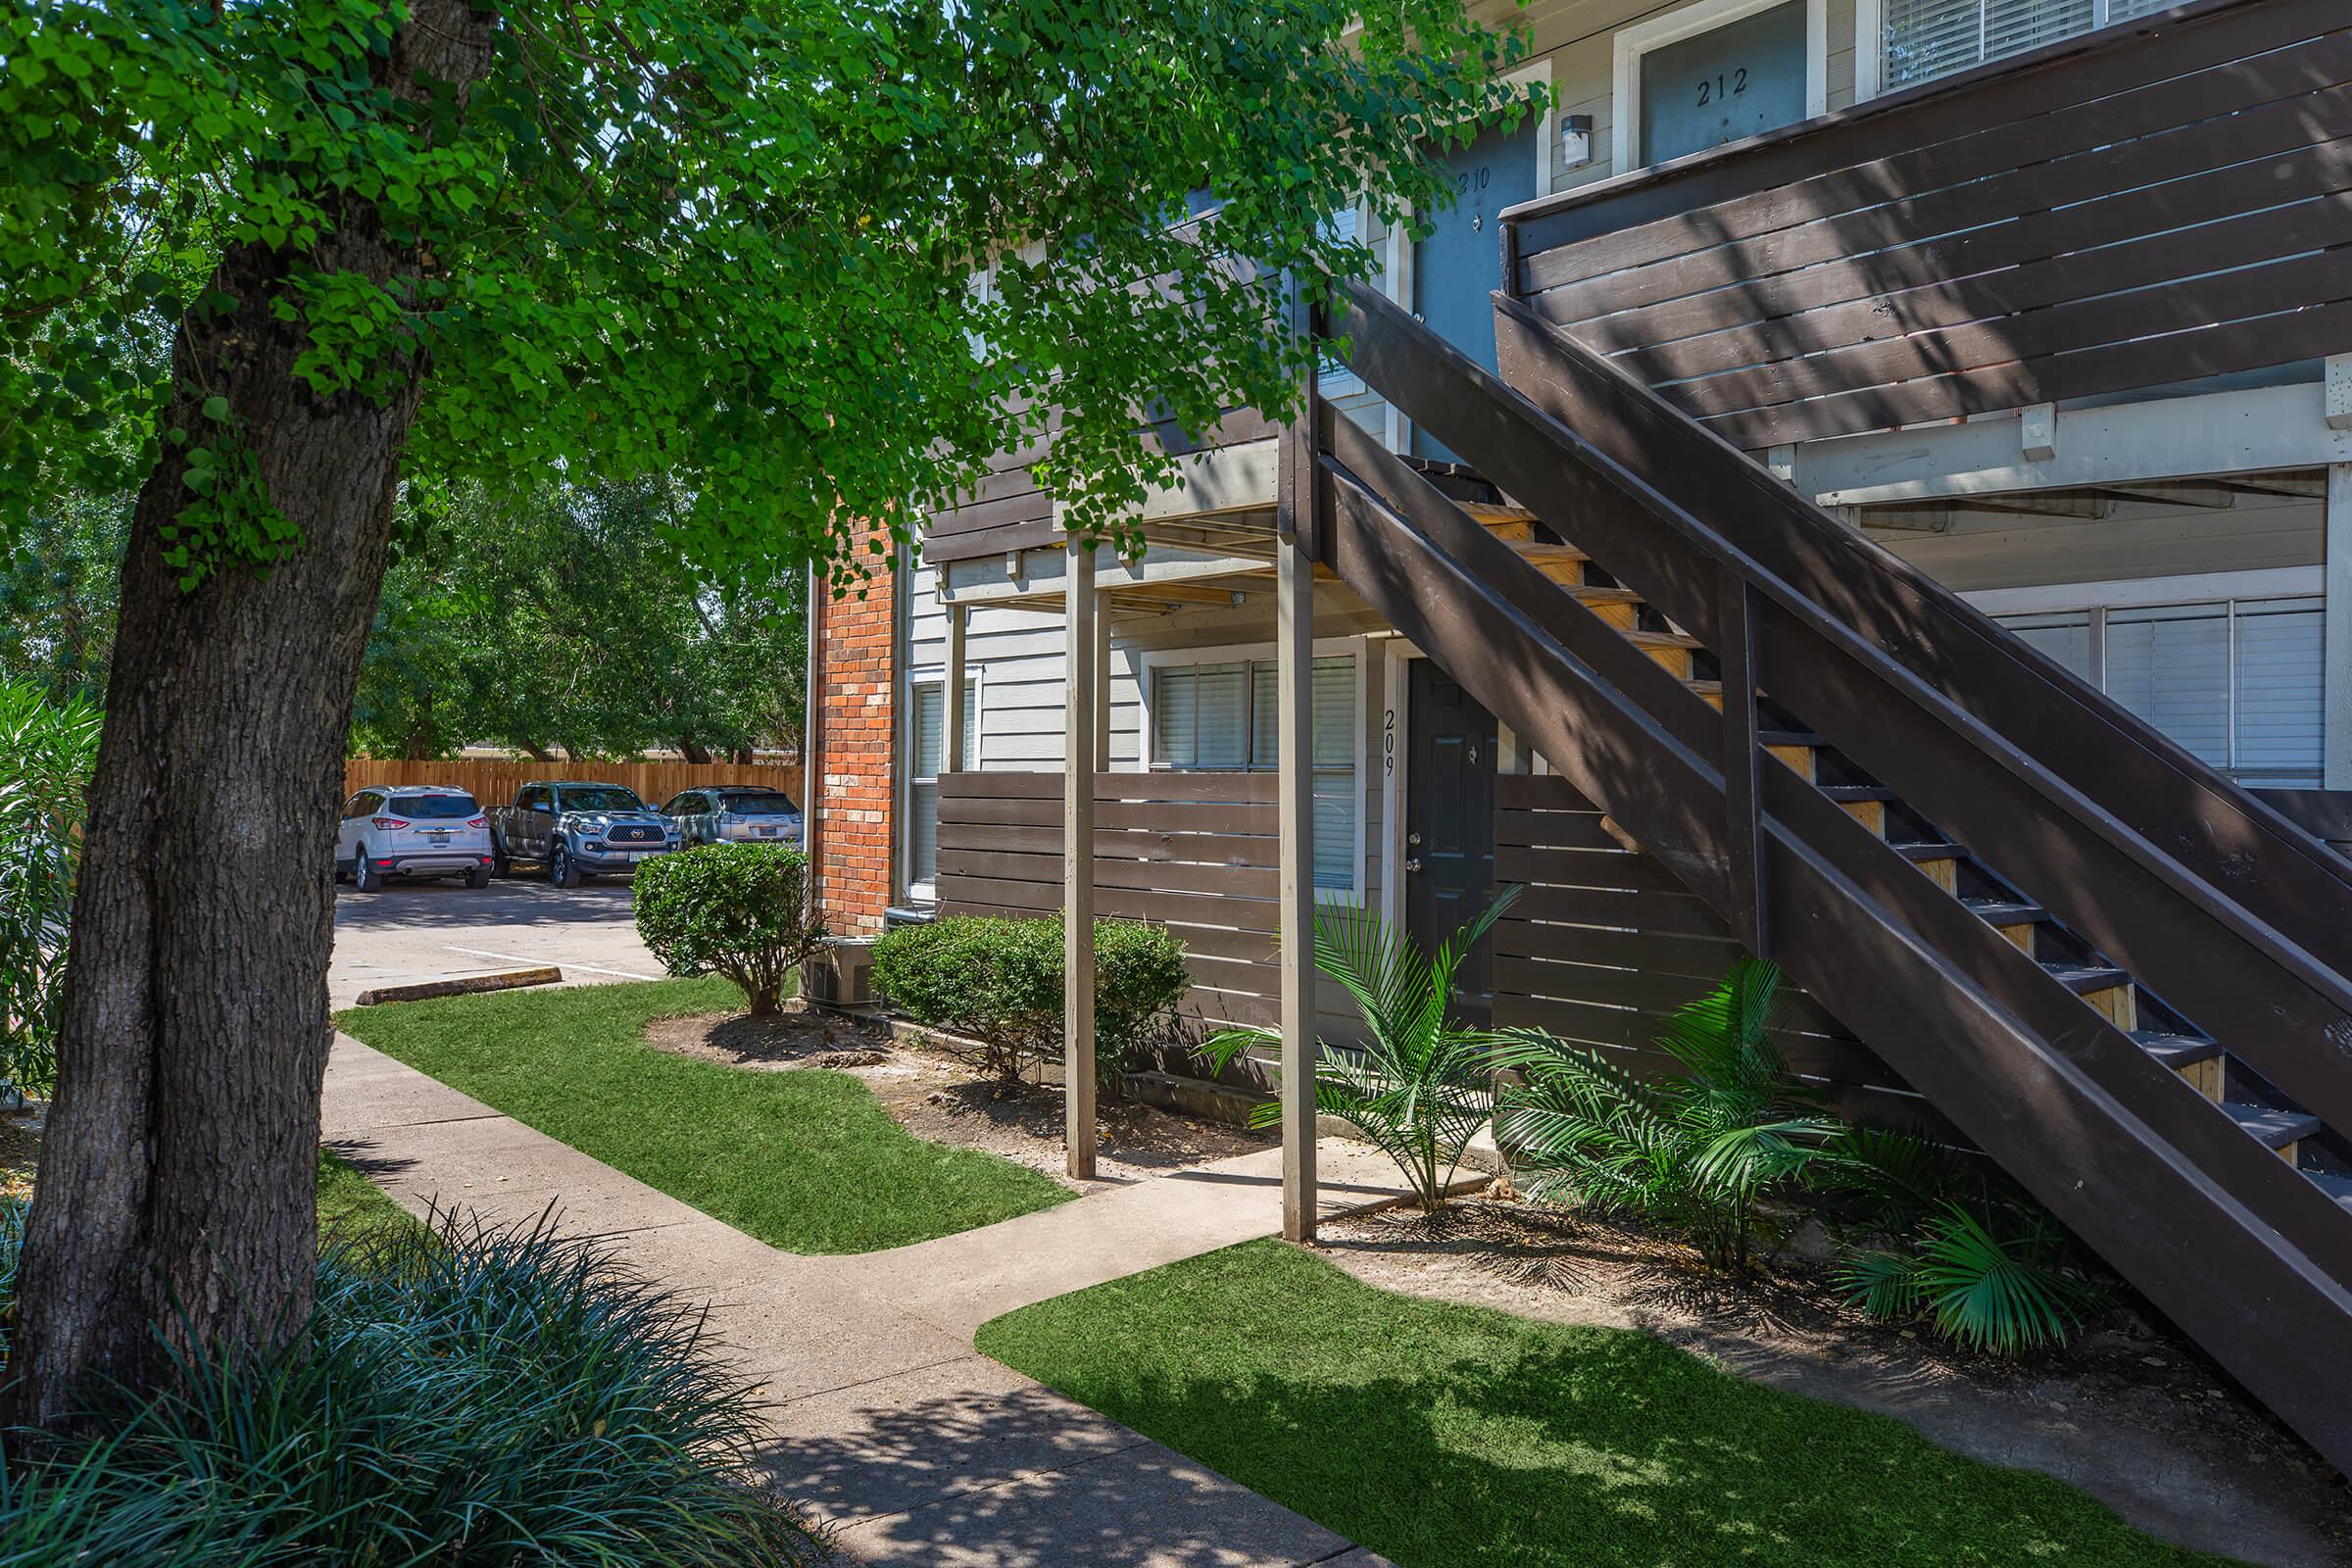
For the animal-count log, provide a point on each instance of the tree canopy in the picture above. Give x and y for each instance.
(724, 240)
(569, 618)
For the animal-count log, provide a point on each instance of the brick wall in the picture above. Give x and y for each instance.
(855, 749)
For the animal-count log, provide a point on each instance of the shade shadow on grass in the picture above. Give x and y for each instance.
(807, 1160)
(1457, 1436)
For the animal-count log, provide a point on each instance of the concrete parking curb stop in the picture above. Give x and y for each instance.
(463, 985)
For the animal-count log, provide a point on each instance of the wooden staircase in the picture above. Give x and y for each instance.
(2111, 967)
(2107, 989)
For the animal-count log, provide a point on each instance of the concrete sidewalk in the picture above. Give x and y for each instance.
(887, 1423)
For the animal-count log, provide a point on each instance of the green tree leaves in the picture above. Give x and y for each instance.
(726, 242)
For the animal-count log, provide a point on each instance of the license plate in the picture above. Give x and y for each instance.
(768, 832)
(438, 838)
(639, 854)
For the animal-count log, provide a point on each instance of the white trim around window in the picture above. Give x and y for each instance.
(1688, 22)
(1353, 648)
(925, 891)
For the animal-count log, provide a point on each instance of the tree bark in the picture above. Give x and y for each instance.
(176, 1178)
(693, 751)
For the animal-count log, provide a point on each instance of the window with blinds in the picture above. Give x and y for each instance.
(1225, 717)
(1929, 38)
(926, 755)
(2237, 681)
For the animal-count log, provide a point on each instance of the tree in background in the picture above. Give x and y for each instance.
(59, 573)
(569, 617)
(728, 241)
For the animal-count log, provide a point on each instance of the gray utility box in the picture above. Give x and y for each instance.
(842, 976)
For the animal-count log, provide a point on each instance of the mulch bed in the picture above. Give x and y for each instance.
(934, 1094)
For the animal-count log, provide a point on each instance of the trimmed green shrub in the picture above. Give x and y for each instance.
(46, 754)
(998, 982)
(737, 909)
(461, 1395)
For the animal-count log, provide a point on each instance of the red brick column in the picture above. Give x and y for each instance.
(855, 749)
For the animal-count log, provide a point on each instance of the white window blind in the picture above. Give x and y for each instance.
(2064, 637)
(1929, 38)
(1211, 717)
(1334, 379)
(2275, 693)
(2171, 665)
(928, 749)
(2238, 682)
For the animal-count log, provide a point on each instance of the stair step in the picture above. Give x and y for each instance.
(2176, 1051)
(2194, 1057)
(2082, 978)
(2006, 911)
(1562, 563)
(2280, 1130)
(1616, 607)
(1932, 850)
(2336, 1187)
(2016, 921)
(2108, 990)
(1866, 804)
(1669, 647)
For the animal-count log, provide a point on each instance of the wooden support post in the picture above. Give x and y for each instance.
(1103, 687)
(2335, 648)
(1078, 867)
(1295, 812)
(1743, 759)
(953, 719)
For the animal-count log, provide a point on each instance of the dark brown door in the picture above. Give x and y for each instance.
(1450, 823)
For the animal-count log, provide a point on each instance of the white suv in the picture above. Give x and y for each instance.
(412, 830)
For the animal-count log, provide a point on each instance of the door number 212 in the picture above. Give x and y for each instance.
(1716, 88)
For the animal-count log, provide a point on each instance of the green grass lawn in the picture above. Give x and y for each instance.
(350, 1205)
(806, 1160)
(1456, 1436)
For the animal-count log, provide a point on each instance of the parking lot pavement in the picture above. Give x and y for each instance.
(415, 931)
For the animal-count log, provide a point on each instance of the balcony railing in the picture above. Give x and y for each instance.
(2145, 205)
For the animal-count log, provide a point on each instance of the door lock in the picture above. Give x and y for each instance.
(1413, 838)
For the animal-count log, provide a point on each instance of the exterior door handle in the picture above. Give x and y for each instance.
(1413, 864)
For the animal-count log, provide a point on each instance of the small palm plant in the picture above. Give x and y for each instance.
(1422, 1083)
(1697, 1152)
(1990, 1268)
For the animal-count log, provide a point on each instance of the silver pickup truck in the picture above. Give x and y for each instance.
(577, 830)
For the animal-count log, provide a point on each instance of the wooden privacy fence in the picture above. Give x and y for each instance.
(1606, 943)
(494, 783)
(1193, 852)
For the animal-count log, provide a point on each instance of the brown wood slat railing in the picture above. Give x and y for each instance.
(1193, 852)
(1606, 943)
(2160, 201)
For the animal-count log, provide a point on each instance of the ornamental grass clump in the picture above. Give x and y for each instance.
(465, 1395)
(998, 983)
(737, 909)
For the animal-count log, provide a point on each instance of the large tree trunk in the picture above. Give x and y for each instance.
(176, 1185)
